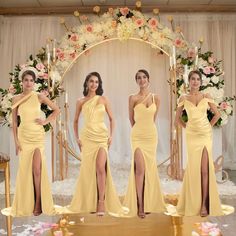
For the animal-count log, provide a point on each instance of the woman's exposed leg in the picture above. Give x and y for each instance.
(101, 180)
(205, 183)
(37, 181)
(139, 166)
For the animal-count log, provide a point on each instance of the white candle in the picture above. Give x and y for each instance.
(48, 59)
(65, 137)
(171, 62)
(185, 74)
(174, 55)
(196, 58)
(54, 50)
(174, 134)
(47, 48)
(59, 122)
(66, 97)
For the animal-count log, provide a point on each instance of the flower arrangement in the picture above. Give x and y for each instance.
(122, 23)
(41, 85)
(212, 81)
(207, 228)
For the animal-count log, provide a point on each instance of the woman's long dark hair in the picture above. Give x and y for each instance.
(195, 72)
(99, 90)
(28, 72)
(143, 71)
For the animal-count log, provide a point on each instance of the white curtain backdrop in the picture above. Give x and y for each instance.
(117, 63)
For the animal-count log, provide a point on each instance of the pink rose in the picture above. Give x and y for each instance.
(74, 37)
(178, 42)
(153, 22)
(139, 22)
(40, 66)
(72, 55)
(207, 70)
(89, 28)
(45, 76)
(61, 56)
(223, 105)
(11, 89)
(212, 69)
(124, 11)
(191, 53)
(22, 66)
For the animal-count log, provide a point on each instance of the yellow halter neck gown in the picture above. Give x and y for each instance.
(94, 136)
(144, 137)
(198, 136)
(31, 136)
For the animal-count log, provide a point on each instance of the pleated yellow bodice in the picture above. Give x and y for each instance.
(197, 116)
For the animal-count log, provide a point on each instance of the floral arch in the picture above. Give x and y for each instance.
(122, 24)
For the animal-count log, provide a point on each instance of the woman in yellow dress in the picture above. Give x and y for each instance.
(199, 195)
(143, 193)
(95, 191)
(33, 193)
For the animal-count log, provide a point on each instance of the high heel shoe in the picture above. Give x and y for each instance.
(141, 215)
(37, 212)
(100, 212)
(204, 212)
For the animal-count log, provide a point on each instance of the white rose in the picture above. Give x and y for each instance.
(219, 95)
(36, 86)
(55, 75)
(228, 110)
(215, 79)
(205, 80)
(141, 32)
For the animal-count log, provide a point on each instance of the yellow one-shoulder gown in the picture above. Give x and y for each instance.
(144, 137)
(198, 136)
(31, 136)
(94, 135)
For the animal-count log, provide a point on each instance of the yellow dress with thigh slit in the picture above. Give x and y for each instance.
(198, 136)
(93, 136)
(144, 137)
(31, 137)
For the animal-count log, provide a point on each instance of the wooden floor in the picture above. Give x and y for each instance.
(90, 224)
(153, 224)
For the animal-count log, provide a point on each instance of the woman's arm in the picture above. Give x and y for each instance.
(76, 122)
(52, 105)
(131, 110)
(14, 126)
(179, 110)
(214, 109)
(157, 101)
(111, 120)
